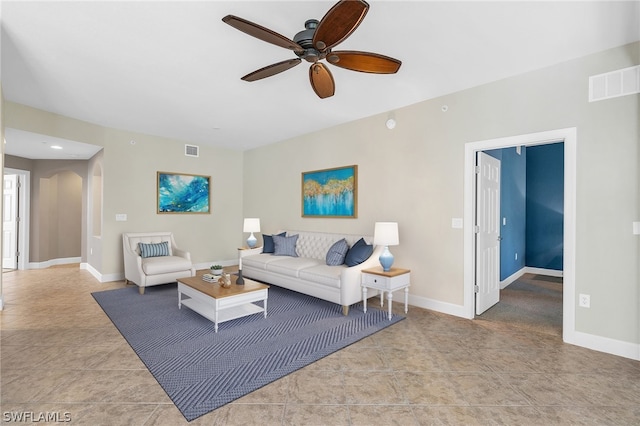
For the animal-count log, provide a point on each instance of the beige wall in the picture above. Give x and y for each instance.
(414, 175)
(57, 207)
(129, 186)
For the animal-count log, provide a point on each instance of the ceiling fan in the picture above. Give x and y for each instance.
(316, 42)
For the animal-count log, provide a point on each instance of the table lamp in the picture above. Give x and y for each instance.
(251, 224)
(386, 234)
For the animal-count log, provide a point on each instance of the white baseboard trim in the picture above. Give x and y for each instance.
(604, 344)
(542, 271)
(529, 270)
(436, 305)
(510, 279)
(53, 262)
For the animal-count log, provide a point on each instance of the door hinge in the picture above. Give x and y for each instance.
(476, 229)
(476, 169)
(476, 289)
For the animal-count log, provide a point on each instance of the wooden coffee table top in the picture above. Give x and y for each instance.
(216, 291)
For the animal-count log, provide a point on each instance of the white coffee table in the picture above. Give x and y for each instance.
(219, 304)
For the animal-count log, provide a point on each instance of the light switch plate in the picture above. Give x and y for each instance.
(456, 222)
(121, 217)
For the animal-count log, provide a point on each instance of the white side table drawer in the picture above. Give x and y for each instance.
(386, 282)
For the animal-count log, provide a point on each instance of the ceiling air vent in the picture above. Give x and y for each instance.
(191, 151)
(615, 83)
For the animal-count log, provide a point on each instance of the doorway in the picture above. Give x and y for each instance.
(18, 199)
(569, 137)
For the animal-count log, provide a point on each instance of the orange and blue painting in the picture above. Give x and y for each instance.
(330, 192)
(183, 193)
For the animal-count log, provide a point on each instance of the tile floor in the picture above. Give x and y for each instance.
(61, 356)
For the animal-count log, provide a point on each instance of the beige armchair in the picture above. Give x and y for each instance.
(158, 262)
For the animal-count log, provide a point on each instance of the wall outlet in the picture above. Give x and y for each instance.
(584, 300)
(121, 217)
(516, 256)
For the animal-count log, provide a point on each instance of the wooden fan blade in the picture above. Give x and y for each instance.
(270, 70)
(338, 23)
(364, 62)
(262, 33)
(321, 80)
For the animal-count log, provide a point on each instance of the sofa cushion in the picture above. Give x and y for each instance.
(154, 249)
(291, 266)
(337, 252)
(260, 261)
(267, 242)
(323, 274)
(285, 246)
(358, 253)
(165, 264)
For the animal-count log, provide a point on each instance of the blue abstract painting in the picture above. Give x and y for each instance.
(330, 192)
(183, 193)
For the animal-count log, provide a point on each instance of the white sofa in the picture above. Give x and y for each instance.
(145, 272)
(308, 273)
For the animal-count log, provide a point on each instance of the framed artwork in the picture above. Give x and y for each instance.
(183, 193)
(330, 193)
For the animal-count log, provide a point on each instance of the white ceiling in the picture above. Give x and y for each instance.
(173, 68)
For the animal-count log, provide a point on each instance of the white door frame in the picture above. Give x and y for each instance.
(569, 137)
(23, 211)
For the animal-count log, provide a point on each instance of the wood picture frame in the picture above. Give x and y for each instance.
(183, 193)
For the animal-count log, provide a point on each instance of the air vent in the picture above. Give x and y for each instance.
(191, 151)
(614, 84)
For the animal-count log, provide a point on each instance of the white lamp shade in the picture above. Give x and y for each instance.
(251, 224)
(386, 234)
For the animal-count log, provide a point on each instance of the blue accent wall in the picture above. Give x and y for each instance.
(531, 207)
(545, 206)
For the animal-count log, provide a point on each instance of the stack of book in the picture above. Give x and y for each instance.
(210, 278)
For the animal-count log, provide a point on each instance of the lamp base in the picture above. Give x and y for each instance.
(251, 241)
(386, 259)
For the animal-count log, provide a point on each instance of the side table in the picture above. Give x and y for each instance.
(394, 279)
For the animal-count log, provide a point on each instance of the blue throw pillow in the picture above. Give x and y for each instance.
(154, 249)
(358, 253)
(285, 246)
(337, 253)
(267, 242)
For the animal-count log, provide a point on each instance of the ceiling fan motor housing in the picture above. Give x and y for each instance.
(305, 39)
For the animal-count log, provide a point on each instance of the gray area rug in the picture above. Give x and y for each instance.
(532, 302)
(202, 370)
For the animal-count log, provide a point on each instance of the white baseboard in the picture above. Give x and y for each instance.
(510, 279)
(529, 270)
(438, 306)
(53, 262)
(542, 271)
(604, 344)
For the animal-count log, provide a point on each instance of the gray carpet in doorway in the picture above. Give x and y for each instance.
(532, 302)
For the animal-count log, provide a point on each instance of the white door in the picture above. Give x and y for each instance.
(487, 232)
(10, 223)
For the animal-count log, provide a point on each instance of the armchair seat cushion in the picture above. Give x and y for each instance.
(165, 264)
